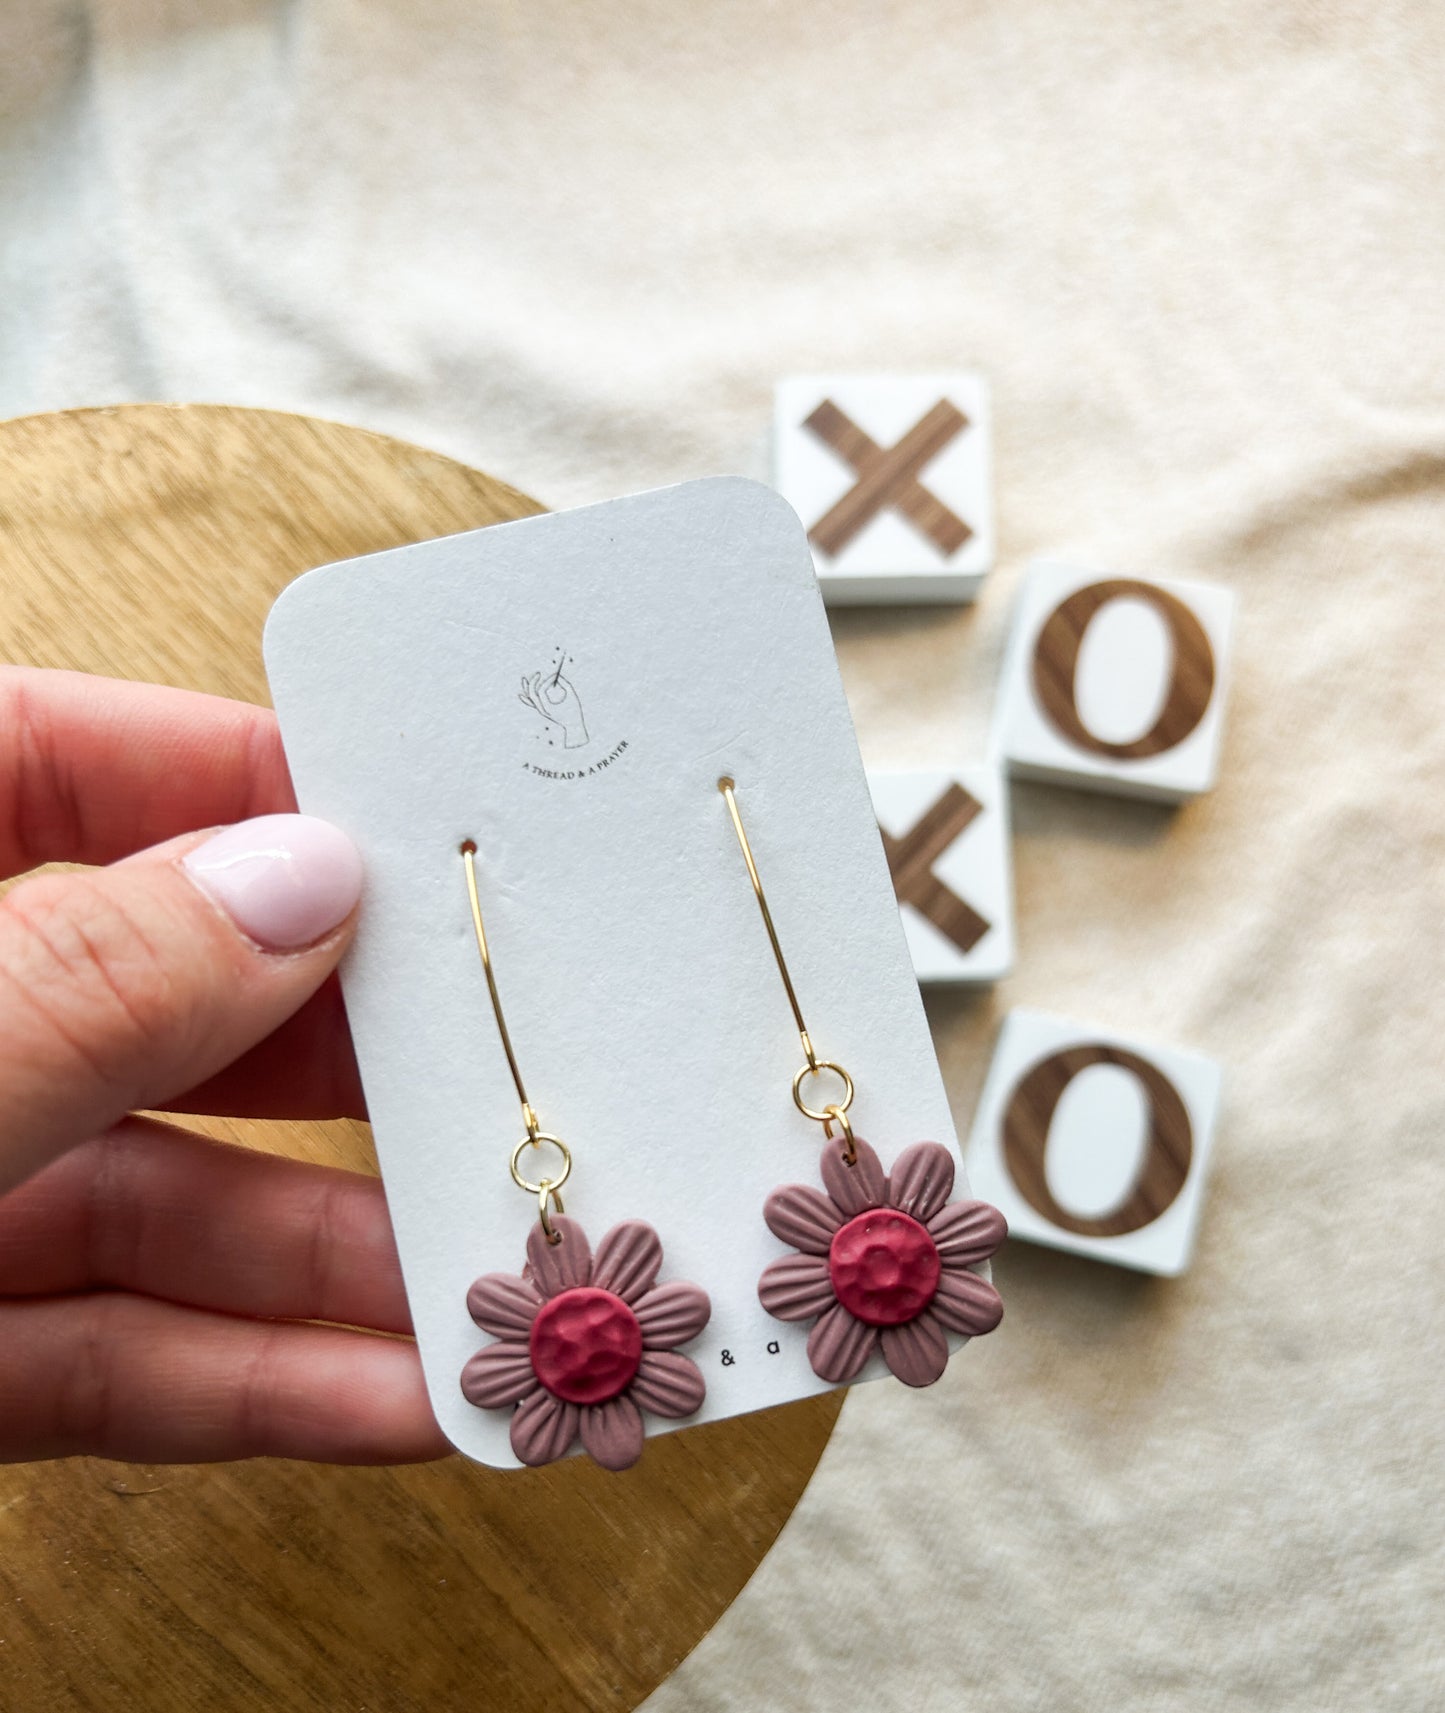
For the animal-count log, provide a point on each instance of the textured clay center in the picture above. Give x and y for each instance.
(586, 1345)
(884, 1267)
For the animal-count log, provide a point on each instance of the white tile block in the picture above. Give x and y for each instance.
(947, 838)
(892, 477)
(1093, 1142)
(1115, 683)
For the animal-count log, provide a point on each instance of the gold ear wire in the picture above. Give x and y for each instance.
(836, 1113)
(547, 1191)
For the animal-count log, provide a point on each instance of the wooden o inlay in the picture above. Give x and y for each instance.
(1056, 662)
(148, 541)
(1029, 1116)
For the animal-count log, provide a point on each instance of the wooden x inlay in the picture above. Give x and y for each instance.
(888, 476)
(911, 858)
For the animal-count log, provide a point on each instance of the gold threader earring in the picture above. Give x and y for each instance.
(885, 1261)
(585, 1342)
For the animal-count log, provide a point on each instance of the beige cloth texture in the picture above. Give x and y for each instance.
(1199, 252)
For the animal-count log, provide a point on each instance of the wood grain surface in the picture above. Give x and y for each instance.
(1055, 668)
(911, 856)
(1168, 1143)
(148, 542)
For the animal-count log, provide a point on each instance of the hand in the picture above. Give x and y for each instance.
(160, 1292)
(554, 699)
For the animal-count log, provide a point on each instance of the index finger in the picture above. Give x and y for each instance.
(94, 769)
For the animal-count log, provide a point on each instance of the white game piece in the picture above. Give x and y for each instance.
(1115, 683)
(946, 835)
(1092, 1142)
(892, 477)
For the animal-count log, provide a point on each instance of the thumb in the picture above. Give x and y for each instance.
(120, 987)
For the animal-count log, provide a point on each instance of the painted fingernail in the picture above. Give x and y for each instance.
(284, 880)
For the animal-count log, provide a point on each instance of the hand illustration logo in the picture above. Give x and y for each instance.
(553, 697)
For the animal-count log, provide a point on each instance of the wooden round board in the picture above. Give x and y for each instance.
(148, 542)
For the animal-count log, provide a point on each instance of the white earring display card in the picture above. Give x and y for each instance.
(566, 692)
(893, 478)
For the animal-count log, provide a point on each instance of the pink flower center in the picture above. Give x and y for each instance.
(884, 1267)
(585, 1345)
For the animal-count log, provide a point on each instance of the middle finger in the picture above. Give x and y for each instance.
(304, 1069)
(164, 1212)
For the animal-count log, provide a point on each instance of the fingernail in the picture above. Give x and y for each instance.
(284, 880)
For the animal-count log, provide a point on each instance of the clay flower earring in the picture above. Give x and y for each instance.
(585, 1342)
(886, 1262)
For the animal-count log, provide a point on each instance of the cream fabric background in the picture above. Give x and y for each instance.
(1199, 251)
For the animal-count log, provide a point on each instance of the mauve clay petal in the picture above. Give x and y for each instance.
(967, 1232)
(965, 1303)
(796, 1288)
(612, 1433)
(921, 1180)
(856, 1188)
(668, 1384)
(672, 1314)
(802, 1216)
(499, 1375)
(917, 1351)
(627, 1260)
(543, 1428)
(839, 1345)
(556, 1267)
(503, 1304)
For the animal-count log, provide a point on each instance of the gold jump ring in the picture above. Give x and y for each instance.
(548, 1193)
(836, 1115)
(546, 1185)
(839, 1107)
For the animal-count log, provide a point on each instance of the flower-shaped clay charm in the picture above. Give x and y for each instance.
(586, 1344)
(887, 1261)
